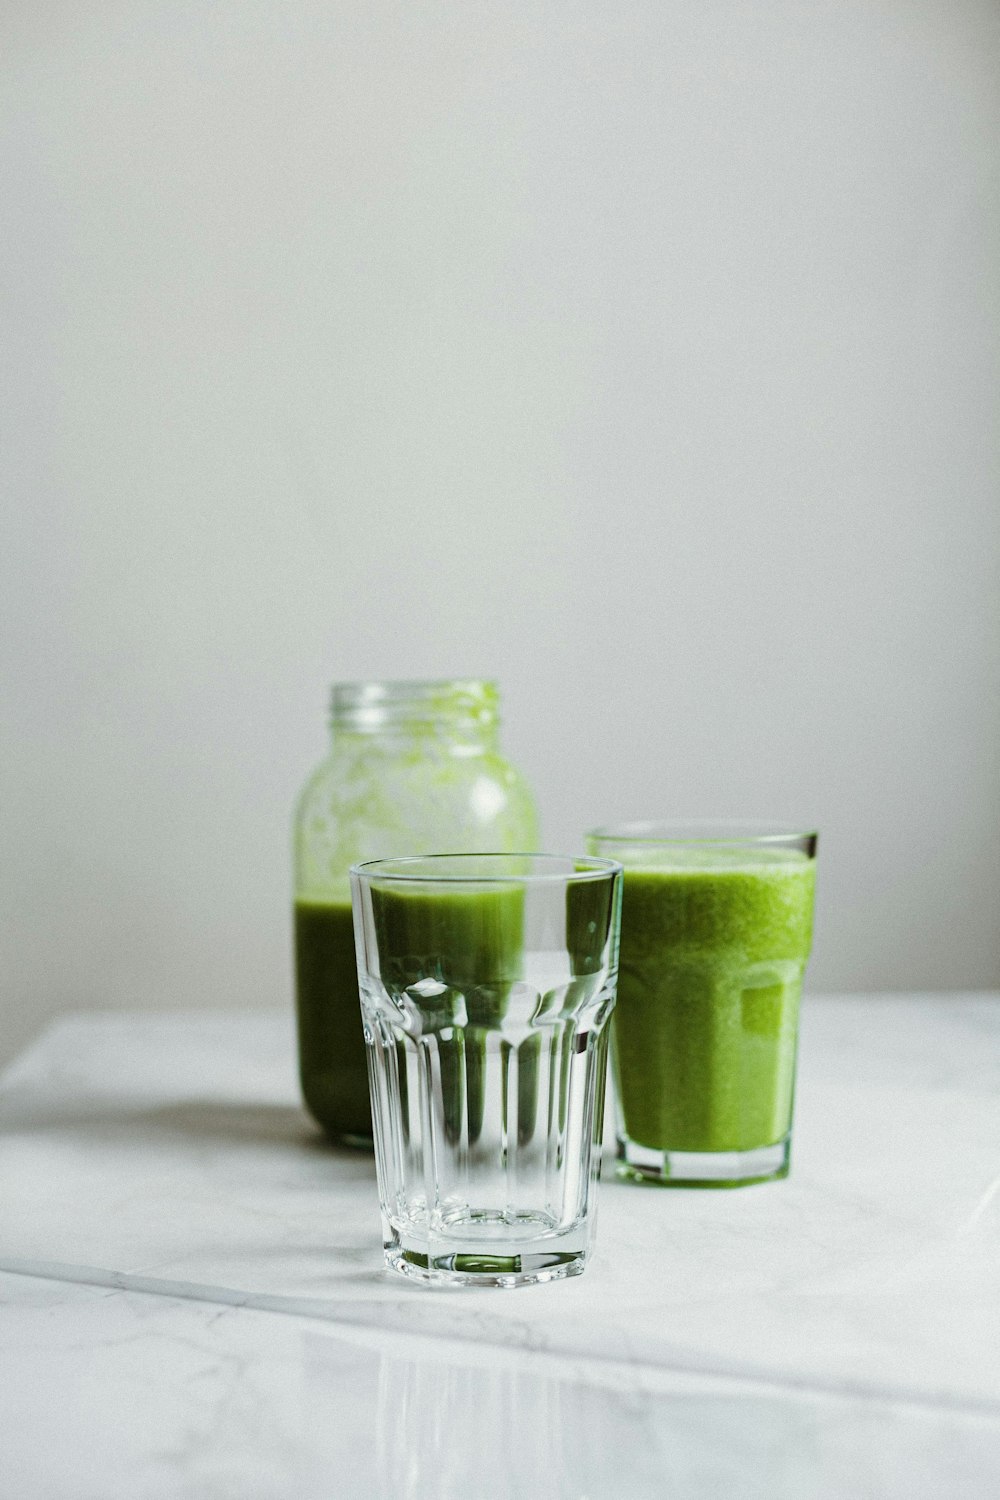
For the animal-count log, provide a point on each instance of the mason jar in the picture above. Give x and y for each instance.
(413, 768)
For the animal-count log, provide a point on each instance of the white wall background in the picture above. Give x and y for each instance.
(642, 355)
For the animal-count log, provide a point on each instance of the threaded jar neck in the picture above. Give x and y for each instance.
(466, 708)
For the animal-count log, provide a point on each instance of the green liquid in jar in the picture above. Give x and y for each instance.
(332, 1064)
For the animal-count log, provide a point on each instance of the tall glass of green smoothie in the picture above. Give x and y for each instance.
(716, 931)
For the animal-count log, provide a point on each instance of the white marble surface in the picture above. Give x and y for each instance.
(192, 1300)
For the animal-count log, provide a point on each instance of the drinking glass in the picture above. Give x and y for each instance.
(486, 985)
(716, 931)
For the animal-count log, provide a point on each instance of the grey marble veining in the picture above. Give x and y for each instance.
(121, 1394)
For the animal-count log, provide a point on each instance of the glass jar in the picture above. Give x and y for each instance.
(414, 768)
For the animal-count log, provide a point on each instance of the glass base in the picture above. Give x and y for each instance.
(718, 1169)
(466, 1263)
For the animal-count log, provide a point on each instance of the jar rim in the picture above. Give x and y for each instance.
(376, 704)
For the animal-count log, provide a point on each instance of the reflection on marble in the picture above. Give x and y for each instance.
(168, 1198)
(119, 1395)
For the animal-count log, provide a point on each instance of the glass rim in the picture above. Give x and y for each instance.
(704, 831)
(593, 868)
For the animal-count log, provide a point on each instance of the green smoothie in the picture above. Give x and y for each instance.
(332, 1062)
(714, 944)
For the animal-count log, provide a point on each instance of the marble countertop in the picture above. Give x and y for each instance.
(193, 1303)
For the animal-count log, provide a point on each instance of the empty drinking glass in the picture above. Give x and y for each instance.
(486, 985)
